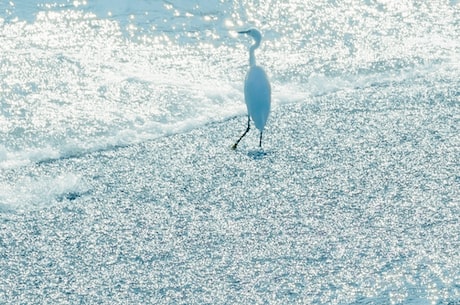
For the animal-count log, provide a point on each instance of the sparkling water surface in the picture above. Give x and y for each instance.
(118, 184)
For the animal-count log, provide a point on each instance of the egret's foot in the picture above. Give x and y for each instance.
(234, 146)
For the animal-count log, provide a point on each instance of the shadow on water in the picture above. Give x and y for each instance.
(258, 154)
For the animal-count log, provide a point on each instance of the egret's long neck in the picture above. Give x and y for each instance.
(252, 57)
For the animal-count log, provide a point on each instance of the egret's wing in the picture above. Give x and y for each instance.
(257, 94)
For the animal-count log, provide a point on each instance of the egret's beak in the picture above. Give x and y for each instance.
(243, 32)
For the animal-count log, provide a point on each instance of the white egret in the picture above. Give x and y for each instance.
(257, 91)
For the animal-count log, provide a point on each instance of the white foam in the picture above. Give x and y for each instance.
(39, 192)
(13, 159)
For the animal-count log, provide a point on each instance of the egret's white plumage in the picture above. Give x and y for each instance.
(257, 96)
(257, 91)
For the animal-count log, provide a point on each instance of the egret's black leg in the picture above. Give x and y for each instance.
(260, 140)
(247, 129)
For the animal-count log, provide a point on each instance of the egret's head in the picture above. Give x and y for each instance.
(254, 33)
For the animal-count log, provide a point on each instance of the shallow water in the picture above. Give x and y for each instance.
(117, 184)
